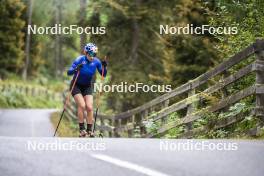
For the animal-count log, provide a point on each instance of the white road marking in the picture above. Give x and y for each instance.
(128, 165)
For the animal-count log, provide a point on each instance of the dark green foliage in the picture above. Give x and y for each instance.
(193, 54)
(35, 61)
(11, 36)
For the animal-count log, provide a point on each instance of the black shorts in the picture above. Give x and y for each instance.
(82, 89)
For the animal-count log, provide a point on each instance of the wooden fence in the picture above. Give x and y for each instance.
(29, 90)
(191, 99)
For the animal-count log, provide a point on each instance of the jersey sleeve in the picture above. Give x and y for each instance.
(75, 63)
(100, 68)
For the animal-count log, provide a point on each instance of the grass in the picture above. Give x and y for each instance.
(51, 83)
(12, 98)
(67, 128)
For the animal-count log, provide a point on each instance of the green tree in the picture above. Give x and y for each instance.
(34, 62)
(136, 50)
(141, 54)
(193, 54)
(247, 16)
(11, 36)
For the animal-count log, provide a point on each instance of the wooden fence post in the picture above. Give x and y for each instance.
(111, 124)
(190, 109)
(165, 104)
(102, 124)
(142, 126)
(131, 122)
(143, 117)
(260, 79)
(117, 125)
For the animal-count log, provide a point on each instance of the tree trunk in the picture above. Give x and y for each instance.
(135, 40)
(135, 35)
(27, 50)
(82, 23)
(58, 47)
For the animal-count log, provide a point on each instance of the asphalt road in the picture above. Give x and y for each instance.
(26, 122)
(124, 157)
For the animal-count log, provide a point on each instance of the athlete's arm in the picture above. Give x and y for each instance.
(74, 66)
(99, 67)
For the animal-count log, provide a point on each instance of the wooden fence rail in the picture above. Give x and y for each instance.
(187, 98)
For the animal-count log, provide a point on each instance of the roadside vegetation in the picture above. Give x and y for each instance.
(38, 93)
(68, 128)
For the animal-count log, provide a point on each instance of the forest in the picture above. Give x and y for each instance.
(131, 31)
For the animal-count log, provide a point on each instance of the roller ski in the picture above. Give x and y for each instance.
(82, 133)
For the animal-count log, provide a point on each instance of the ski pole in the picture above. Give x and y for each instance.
(67, 101)
(98, 100)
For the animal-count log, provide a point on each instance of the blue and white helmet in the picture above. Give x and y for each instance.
(91, 49)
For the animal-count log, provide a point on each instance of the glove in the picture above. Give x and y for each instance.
(79, 67)
(104, 63)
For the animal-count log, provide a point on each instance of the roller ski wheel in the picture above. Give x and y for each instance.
(82, 134)
(90, 134)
